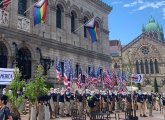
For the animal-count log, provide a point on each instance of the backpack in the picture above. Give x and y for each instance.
(12, 115)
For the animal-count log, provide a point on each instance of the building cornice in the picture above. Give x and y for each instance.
(103, 6)
(51, 43)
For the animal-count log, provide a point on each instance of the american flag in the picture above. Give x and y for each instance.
(121, 82)
(98, 74)
(93, 75)
(66, 72)
(107, 80)
(4, 4)
(79, 81)
(58, 70)
(113, 78)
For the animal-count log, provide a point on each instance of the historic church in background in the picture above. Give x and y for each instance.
(144, 55)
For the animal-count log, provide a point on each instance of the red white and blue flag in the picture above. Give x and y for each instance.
(58, 69)
(107, 80)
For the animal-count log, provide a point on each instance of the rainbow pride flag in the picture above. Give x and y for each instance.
(40, 9)
(93, 30)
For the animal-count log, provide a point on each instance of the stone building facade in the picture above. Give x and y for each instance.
(26, 45)
(146, 55)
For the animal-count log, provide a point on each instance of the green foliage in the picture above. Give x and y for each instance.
(16, 85)
(155, 86)
(37, 86)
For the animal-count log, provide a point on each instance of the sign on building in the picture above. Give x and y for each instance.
(6, 76)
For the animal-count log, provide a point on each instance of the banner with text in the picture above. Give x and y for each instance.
(137, 78)
(6, 76)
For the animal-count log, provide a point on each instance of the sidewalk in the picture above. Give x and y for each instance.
(156, 116)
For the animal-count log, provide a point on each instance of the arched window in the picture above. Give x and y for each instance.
(85, 29)
(142, 67)
(137, 67)
(146, 67)
(151, 67)
(22, 6)
(156, 66)
(73, 22)
(3, 56)
(24, 62)
(58, 17)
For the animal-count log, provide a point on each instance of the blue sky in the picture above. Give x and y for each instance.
(128, 16)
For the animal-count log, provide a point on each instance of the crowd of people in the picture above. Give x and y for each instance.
(60, 103)
(86, 101)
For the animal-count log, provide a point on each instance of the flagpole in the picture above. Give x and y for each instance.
(83, 24)
(30, 7)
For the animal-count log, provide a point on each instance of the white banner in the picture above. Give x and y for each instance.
(137, 78)
(6, 76)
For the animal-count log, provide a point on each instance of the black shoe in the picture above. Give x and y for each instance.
(140, 115)
(145, 115)
(68, 115)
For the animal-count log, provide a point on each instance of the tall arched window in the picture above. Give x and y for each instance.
(73, 22)
(3, 56)
(151, 67)
(85, 29)
(22, 6)
(58, 17)
(146, 67)
(142, 67)
(24, 62)
(156, 66)
(137, 67)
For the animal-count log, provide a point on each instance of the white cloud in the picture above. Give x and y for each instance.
(116, 2)
(139, 5)
(132, 4)
(154, 5)
(163, 13)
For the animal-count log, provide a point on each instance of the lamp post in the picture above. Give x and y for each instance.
(16, 57)
(45, 62)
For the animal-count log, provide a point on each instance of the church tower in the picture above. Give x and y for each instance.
(154, 30)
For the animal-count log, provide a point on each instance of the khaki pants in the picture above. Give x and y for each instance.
(61, 112)
(141, 108)
(97, 105)
(55, 109)
(150, 109)
(80, 108)
(157, 105)
(110, 106)
(67, 107)
(164, 111)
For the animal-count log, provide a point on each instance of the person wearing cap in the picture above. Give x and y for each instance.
(40, 108)
(141, 106)
(55, 102)
(91, 102)
(61, 103)
(163, 103)
(80, 102)
(4, 111)
(150, 103)
(67, 102)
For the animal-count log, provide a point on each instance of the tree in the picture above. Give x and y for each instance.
(155, 86)
(35, 89)
(37, 86)
(15, 93)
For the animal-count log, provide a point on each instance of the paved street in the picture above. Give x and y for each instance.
(156, 116)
